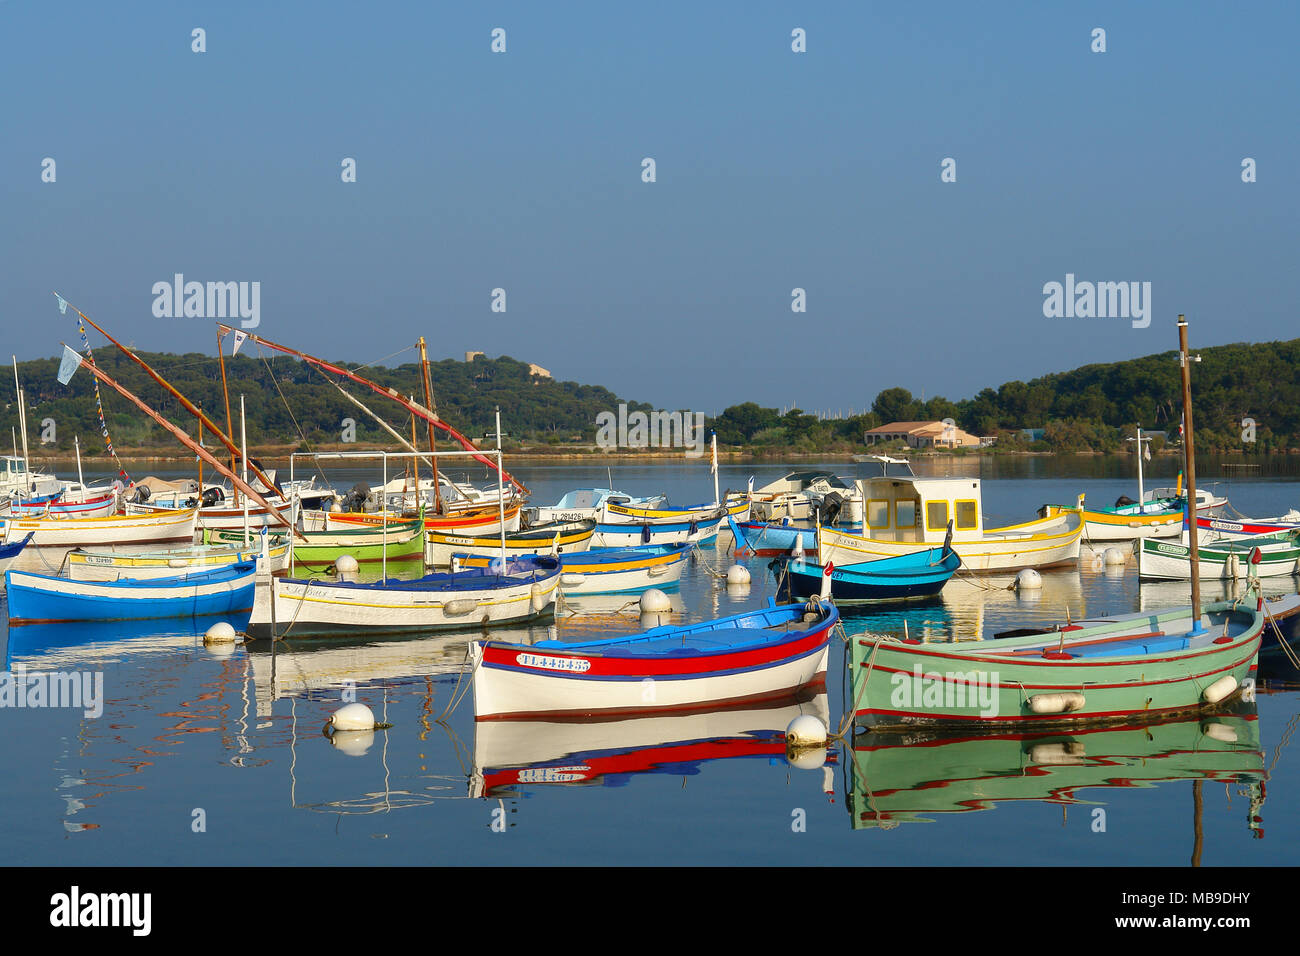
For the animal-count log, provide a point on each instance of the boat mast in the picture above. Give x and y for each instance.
(1189, 453)
(225, 390)
(76, 441)
(390, 393)
(1141, 494)
(22, 422)
(185, 440)
(501, 494)
(433, 447)
(224, 437)
(243, 456)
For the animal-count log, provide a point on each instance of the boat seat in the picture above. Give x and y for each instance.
(1155, 645)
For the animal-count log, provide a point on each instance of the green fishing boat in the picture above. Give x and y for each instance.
(403, 541)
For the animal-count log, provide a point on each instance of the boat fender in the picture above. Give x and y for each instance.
(645, 534)
(460, 606)
(737, 574)
(177, 563)
(1217, 731)
(539, 599)
(1220, 689)
(1063, 703)
(571, 580)
(658, 570)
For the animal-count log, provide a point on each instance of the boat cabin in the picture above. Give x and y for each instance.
(910, 509)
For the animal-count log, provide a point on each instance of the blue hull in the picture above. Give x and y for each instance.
(772, 539)
(909, 577)
(38, 598)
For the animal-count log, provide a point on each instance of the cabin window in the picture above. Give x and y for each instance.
(878, 513)
(967, 515)
(905, 514)
(936, 515)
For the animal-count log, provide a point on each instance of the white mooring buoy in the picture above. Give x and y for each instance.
(354, 716)
(354, 743)
(805, 731)
(654, 601)
(1113, 556)
(737, 574)
(1029, 580)
(219, 633)
(345, 566)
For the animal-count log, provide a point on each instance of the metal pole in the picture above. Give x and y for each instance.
(501, 494)
(1189, 453)
(76, 441)
(383, 514)
(243, 454)
(1141, 494)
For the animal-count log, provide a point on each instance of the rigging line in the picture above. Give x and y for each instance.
(409, 348)
(382, 424)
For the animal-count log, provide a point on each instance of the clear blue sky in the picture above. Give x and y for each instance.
(775, 170)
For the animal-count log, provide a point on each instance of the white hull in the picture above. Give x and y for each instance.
(499, 692)
(306, 607)
(616, 582)
(123, 529)
(1050, 543)
(109, 566)
(438, 552)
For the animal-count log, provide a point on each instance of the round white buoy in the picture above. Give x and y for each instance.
(805, 731)
(219, 633)
(649, 621)
(654, 601)
(1029, 580)
(354, 743)
(737, 574)
(353, 717)
(345, 564)
(1114, 556)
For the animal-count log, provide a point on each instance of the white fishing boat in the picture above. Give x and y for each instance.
(92, 565)
(906, 514)
(114, 529)
(17, 479)
(587, 503)
(445, 601)
(1265, 557)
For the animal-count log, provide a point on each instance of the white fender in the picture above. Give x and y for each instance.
(1220, 689)
(1066, 703)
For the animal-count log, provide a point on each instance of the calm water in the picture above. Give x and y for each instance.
(238, 736)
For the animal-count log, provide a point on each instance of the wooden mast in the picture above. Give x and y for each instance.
(428, 402)
(185, 402)
(225, 390)
(185, 440)
(1189, 453)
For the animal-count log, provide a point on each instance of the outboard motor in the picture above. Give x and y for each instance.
(1124, 500)
(831, 505)
(211, 496)
(275, 484)
(141, 495)
(355, 500)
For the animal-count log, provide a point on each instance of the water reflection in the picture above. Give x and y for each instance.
(894, 779)
(509, 754)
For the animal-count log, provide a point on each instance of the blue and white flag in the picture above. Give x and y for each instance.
(71, 362)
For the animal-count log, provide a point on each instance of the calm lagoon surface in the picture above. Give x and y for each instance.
(205, 757)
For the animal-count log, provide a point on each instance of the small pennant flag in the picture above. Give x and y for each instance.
(70, 363)
(239, 340)
(63, 304)
(1146, 452)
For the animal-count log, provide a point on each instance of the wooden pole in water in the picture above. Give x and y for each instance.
(1198, 834)
(1189, 454)
(433, 445)
(225, 390)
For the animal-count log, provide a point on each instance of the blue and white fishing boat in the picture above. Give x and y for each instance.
(43, 598)
(10, 551)
(739, 660)
(609, 571)
(760, 538)
(909, 577)
(586, 503)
